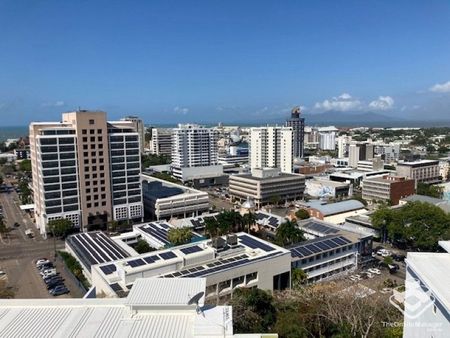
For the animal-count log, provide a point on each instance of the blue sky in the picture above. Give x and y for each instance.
(231, 61)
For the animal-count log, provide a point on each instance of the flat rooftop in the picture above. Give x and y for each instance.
(328, 209)
(318, 245)
(149, 311)
(319, 228)
(95, 248)
(434, 271)
(279, 176)
(198, 259)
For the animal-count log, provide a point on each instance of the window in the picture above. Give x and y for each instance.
(103, 196)
(95, 197)
(85, 146)
(94, 160)
(89, 205)
(100, 146)
(94, 168)
(102, 167)
(91, 122)
(102, 175)
(86, 161)
(92, 146)
(86, 154)
(101, 159)
(103, 203)
(84, 131)
(95, 204)
(88, 183)
(92, 131)
(84, 139)
(100, 153)
(99, 131)
(88, 191)
(102, 181)
(92, 138)
(86, 168)
(86, 176)
(88, 197)
(100, 139)
(93, 153)
(94, 175)
(95, 189)
(95, 182)
(102, 188)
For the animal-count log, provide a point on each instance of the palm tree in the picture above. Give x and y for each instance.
(288, 233)
(248, 220)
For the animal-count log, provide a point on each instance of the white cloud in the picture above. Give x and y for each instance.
(382, 103)
(343, 102)
(181, 110)
(441, 87)
(54, 104)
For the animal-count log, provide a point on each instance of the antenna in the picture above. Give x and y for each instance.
(195, 299)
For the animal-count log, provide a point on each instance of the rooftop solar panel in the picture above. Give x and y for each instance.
(255, 244)
(108, 269)
(191, 249)
(167, 255)
(116, 287)
(136, 262)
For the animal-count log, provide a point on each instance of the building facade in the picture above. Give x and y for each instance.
(265, 186)
(271, 147)
(425, 171)
(297, 124)
(193, 146)
(359, 152)
(81, 173)
(387, 188)
(161, 142)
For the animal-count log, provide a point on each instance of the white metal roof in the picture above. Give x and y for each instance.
(166, 291)
(434, 270)
(108, 317)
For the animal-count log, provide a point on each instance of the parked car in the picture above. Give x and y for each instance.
(374, 271)
(53, 278)
(398, 258)
(59, 290)
(41, 261)
(46, 267)
(393, 268)
(16, 225)
(54, 284)
(49, 273)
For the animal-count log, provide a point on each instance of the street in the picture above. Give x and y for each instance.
(18, 253)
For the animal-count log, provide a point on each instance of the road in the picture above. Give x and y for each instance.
(18, 253)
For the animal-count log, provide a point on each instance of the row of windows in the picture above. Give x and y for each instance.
(93, 139)
(130, 179)
(328, 253)
(56, 210)
(54, 149)
(95, 204)
(93, 154)
(91, 131)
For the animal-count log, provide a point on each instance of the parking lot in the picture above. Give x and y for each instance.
(19, 252)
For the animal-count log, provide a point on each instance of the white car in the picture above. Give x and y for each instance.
(2, 273)
(48, 271)
(374, 271)
(49, 274)
(386, 254)
(369, 275)
(353, 278)
(40, 262)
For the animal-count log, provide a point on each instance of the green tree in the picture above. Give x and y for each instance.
(253, 311)
(275, 199)
(248, 219)
(179, 236)
(302, 214)
(288, 233)
(25, 166)
(60, 227)
(299, 278)
(143, 247)
(211, 226)
(24, 191)
(388, 260)
(429, 190)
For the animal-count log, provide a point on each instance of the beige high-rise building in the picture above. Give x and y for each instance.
(85, 169)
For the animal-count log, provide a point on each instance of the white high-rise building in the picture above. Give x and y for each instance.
(271, 147)
(327, 138)
(194, 147)
(85, 169)
(342, 142)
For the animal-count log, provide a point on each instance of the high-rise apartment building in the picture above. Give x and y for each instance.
(161, 142)
(195, 147)
(359, 152)
(327, 138)
(271, 147)
(297, 124)
(85, 169)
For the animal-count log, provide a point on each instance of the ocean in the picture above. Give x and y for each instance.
(12, 132)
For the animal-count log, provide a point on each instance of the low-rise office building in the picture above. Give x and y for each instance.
(331, 251)
(333, 212)
(266, 185)
(164, 199)
(387, 188)
(425, 171)
(227, 263)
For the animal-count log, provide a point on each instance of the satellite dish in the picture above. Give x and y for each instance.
(196, 298)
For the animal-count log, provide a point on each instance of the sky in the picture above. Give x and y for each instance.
(228, 61)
